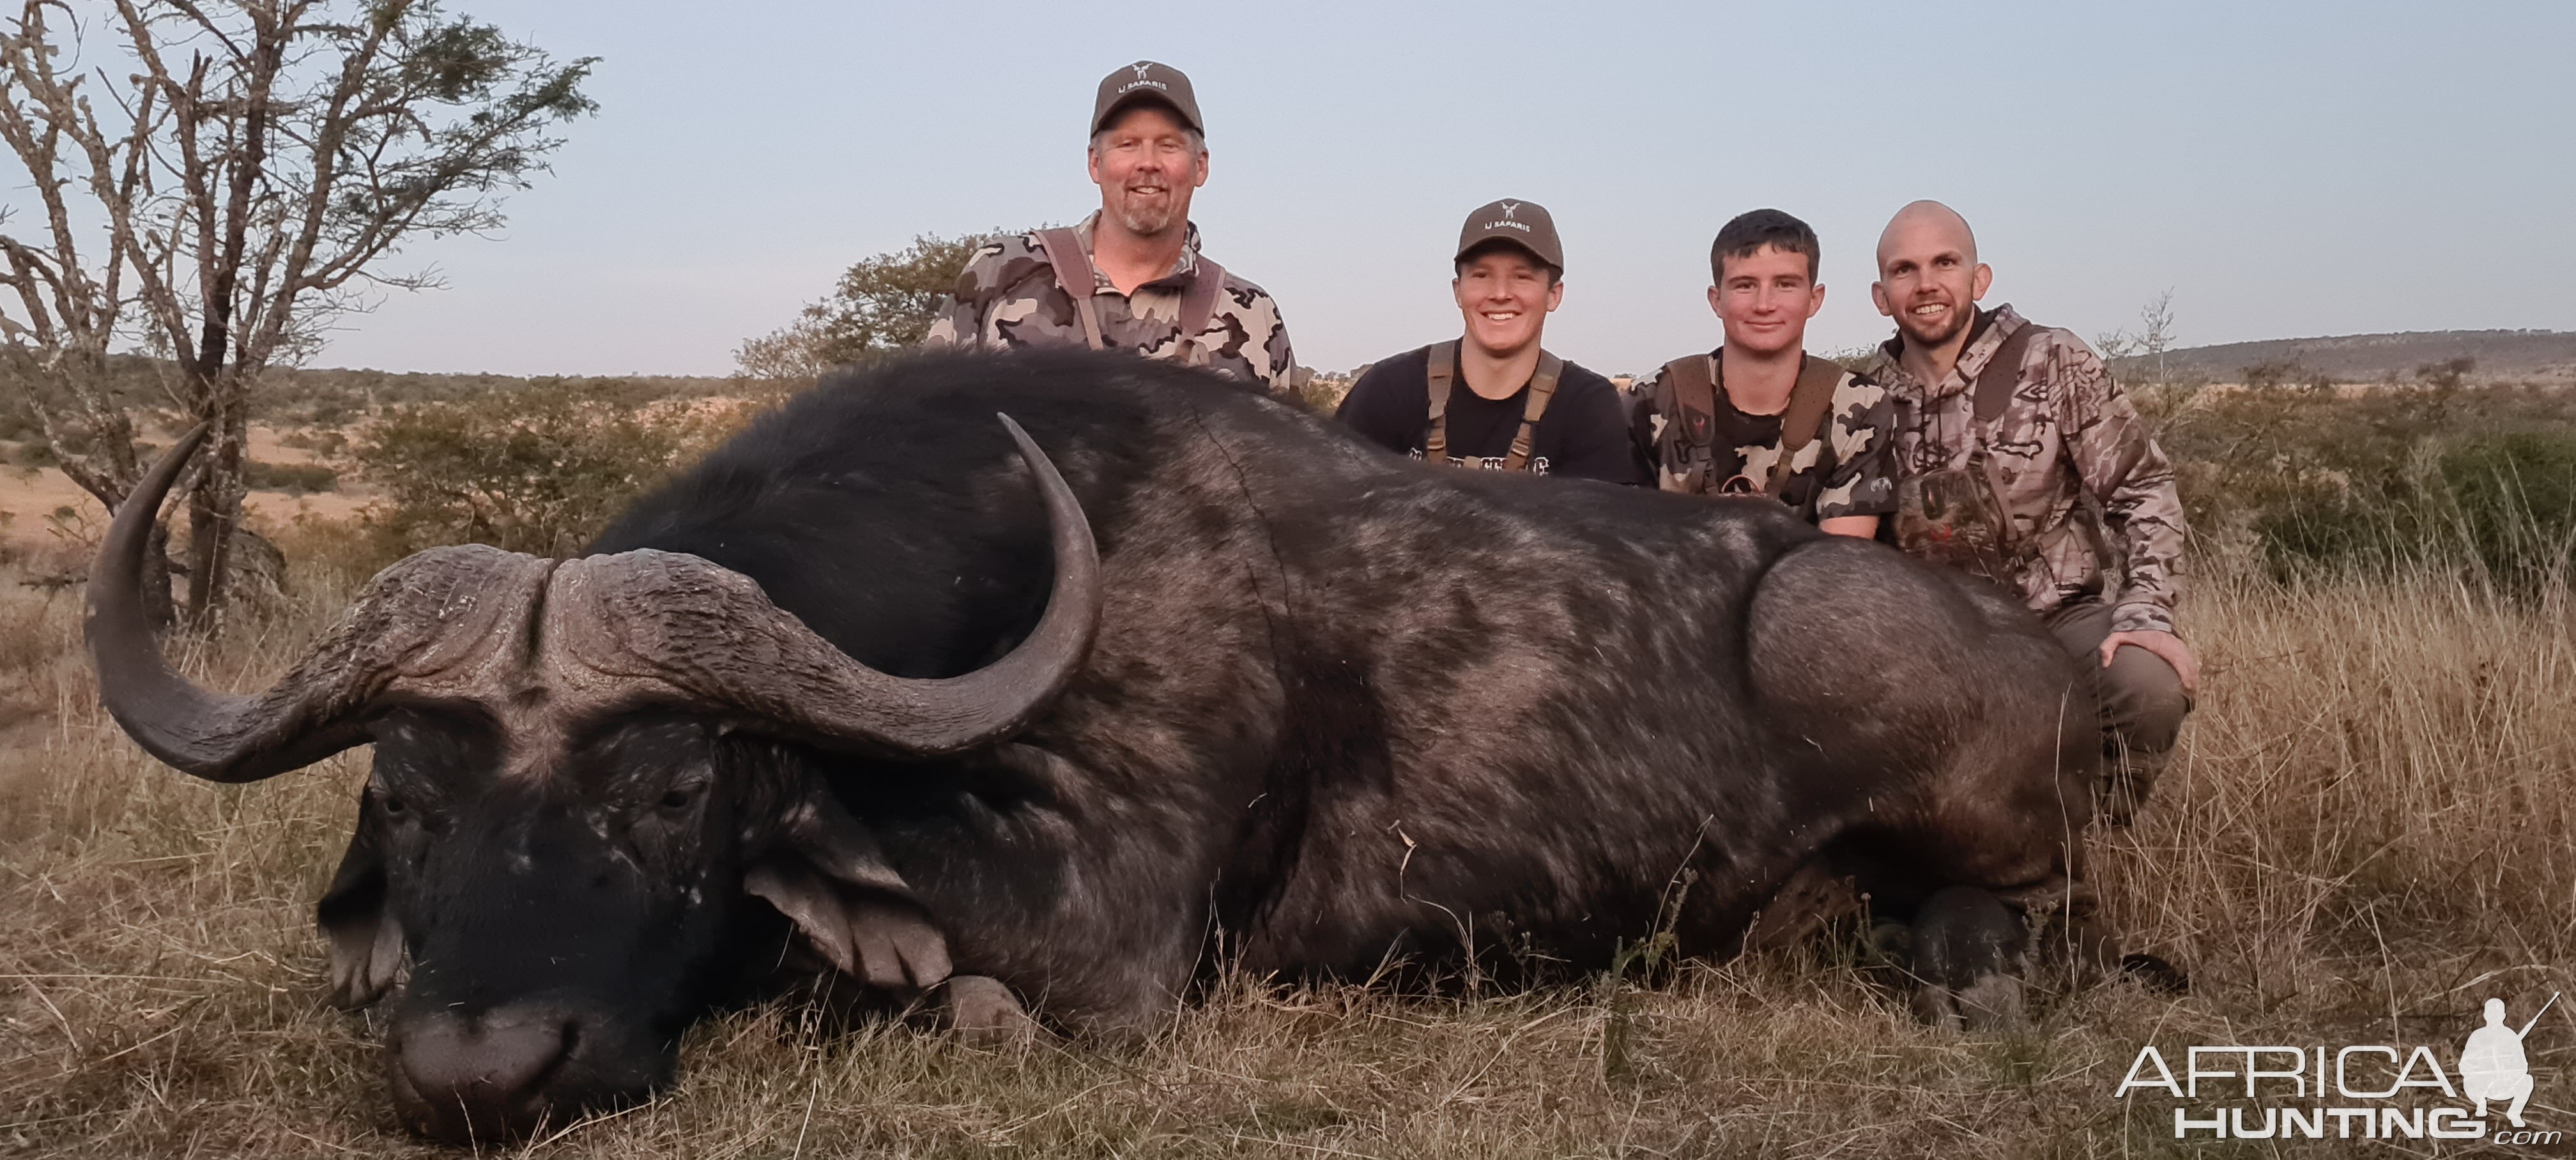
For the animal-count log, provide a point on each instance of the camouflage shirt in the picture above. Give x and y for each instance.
(1845, 473)
(2066, 429)
(1008, 297)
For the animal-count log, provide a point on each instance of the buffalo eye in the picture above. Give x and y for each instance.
(393, 806)
(679, 799)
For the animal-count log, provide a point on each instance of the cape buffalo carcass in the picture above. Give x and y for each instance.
(1232, 686)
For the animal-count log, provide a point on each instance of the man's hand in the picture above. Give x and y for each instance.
(2166, 646)
(1857, 527)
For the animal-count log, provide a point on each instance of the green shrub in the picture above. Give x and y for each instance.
(2501, 504)
(2508, 504)
(540, 469)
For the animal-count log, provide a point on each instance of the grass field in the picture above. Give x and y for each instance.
(2370, 830)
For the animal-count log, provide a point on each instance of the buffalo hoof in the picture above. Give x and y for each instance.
(1990, 1003)
(1967, 960)
(985, 1013)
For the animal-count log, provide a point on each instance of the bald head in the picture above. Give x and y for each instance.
(1927, 225)
(1929, 279)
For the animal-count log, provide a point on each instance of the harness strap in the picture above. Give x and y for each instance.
(1444, 369)
(1074, 275)
(1198, 306)
(1443, 375)
(1803, 420)
(1693, 382)
(1995, 380)
(1542, 387)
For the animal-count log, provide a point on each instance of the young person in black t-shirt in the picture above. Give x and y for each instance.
(1493, 399)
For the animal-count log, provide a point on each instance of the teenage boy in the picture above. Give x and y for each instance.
(1494, 398)
(1759, 416)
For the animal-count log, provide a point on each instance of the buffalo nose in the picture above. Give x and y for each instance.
(478, 1078)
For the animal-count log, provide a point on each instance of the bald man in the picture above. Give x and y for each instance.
(2018, 459)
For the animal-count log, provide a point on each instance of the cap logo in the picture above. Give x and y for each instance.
(1140, 67)
(1509, 208)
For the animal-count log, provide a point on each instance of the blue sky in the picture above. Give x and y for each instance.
(2284, 169)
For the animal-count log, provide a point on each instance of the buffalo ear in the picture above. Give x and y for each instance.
(366, 942)
(825, 872)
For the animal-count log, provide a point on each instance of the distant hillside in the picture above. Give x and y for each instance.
(2547, 356)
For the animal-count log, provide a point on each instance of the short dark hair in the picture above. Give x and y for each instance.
(1458, 269)
(1749, 232)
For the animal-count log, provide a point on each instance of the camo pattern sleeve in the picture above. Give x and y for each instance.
(1004, 267)
(1246, 337)
(2118, 461)
(1651, 431)
(1859, 479)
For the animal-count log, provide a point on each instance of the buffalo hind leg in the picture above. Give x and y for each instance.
(1969, 952)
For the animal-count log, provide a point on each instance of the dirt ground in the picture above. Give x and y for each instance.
(29, 495)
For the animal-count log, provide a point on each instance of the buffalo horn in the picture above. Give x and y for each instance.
(426, 619)
(713, 635)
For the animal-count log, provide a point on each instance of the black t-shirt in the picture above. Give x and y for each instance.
(1583, 434)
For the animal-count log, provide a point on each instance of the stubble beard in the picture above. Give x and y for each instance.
(1147, 222)
(1958, 321)
(1148, 218)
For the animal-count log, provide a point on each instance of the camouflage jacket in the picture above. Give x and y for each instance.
(1845, 473)
(1008, 297)
(2066, 430)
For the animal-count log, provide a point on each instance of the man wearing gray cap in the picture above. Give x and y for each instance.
(1130, 276)
(1494, 398)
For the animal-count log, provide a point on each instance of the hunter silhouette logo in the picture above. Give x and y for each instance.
(2492, 1065)
(2357, 1092)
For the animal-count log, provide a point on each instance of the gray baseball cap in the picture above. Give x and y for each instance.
(1522, 223)
(1146, 80)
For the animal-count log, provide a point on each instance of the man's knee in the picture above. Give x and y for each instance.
(2142, 700)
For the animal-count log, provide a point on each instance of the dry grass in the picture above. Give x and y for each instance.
(2369, 831)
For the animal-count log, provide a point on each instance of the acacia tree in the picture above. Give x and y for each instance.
(881, 305)
(216, 180)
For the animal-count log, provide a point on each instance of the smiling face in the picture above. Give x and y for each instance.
(1765, 299)
(1505, 293)
(1147, 163)
(1929, 279)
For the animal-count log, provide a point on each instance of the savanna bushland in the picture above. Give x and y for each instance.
(2369, 829)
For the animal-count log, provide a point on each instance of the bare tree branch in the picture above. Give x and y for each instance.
(265, 155)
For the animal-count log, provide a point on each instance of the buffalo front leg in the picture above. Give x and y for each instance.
(984, 1012)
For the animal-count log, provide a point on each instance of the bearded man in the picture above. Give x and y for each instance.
(1131, 276)
(2019, 459)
